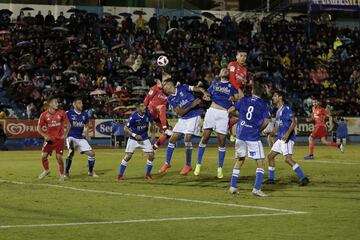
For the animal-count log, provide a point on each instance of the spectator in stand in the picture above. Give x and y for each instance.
(49, 19)
(39, 19)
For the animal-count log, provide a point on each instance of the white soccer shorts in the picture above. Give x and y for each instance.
(282, 147)
(217, 120)
(188, 126)
(144, 145)
(254, 149)
(81, 144)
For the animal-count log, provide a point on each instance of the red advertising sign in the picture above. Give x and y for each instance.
(21, 128)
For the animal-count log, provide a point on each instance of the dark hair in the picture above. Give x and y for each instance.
(51, 97)
(281, 94)
(77, 99)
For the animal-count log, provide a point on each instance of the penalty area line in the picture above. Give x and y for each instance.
(143, 220)
(155, 197)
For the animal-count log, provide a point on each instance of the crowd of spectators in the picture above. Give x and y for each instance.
(111, 60)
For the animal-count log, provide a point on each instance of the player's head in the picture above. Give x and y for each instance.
(278, 97)
(316, 102)
(78, 104)
(158, 83)
(169, 86)
(165, 76)
(224, 74)
(53, 102)
(241, 56)
(257, 89)
(141, 108)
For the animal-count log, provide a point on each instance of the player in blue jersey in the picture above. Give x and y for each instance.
(79, 127)
(186, 106)
(285, 139)
(254, 116)
(217, 118)
(137, 128)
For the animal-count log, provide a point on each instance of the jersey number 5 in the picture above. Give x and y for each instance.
(249, 112)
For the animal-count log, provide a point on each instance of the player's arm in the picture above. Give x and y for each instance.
(149, 97)
(40, 124)
(264, 125)
(86, 132)
(67, 125)
(130, 133)
(206, 95)
(290, 130)
(181, 111)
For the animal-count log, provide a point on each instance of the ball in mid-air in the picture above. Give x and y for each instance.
(162, 61)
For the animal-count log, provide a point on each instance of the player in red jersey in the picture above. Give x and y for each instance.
(156, 102)
(238, 78)
(320, 130)
(54, 126)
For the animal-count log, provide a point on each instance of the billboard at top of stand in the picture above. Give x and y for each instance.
(337, 2)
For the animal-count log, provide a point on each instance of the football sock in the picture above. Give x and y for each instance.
(122, 167)
(161, 139)
(332, 144)
(298, 171)
(169, 152)
(61, 168)
(188, 146)
(271, 173)
(68, 165)
(311, 148)
(45, 164)
(91, 163)
(234, 177)
(259, 178)
(221, 156)
(149, 165)
(201, 151)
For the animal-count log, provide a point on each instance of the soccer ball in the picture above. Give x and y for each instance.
(162, 61)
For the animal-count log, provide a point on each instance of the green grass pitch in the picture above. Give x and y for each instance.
(179, 207)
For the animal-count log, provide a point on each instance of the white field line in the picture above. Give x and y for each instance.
(155, 197)
(143, 220)
(330, 162)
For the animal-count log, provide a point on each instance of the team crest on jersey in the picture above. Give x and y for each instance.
(232, 69)
(58, 117)
(181, 94)
(73, 117)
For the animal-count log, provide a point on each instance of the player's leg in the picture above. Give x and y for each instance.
(149, 165)
(131, 145)
(221, 154)
(91, 163)
(71, 153)
(169, 152)
(332, 144)
(201, 150)
(271, 168)
(311, 148)
(45, 164)
(188, 154)
(240, 153)
(287, 150)
(256, 152)
(59, 149)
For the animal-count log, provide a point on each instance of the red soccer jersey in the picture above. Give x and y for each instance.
(238, 74)
(53, 124)
(155, 97)
(319, 115)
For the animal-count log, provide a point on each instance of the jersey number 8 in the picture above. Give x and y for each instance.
(249, 112)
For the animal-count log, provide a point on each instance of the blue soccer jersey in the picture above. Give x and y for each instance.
(252, 112)
(78, 122)
(183, 98)
(221, 92)
(284, 116)
(139, 124)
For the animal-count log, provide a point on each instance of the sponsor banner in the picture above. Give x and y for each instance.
(104, 128)
(337, 2)
(21, 129)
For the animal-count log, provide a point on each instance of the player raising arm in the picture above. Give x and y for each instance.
(187, 108)
(53, 125)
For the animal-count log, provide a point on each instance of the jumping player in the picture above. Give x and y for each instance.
(53, 125)
(79, 124)
(320, 130)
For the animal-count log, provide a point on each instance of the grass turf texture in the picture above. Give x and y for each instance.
(331, 201)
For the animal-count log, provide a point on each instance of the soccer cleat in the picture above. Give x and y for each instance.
(148, 177)
(62, 178)
(67, 175)
(341, 147)
(269, 181)
(120, 177)
(185, 170)
(92, 174)
(44, 174)
(220, 174)
(164, 168)
(197, 170)
(233, 190)
(309, 157)
(258, 192)
(305, 181)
